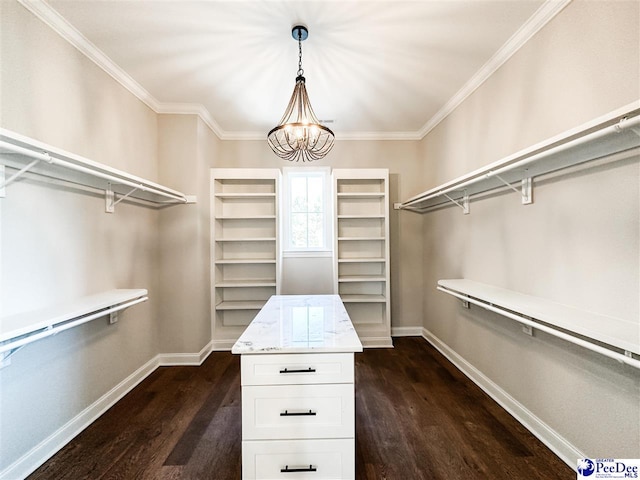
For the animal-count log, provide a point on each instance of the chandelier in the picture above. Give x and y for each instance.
(299, 135)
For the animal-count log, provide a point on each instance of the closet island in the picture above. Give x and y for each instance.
(298, 399)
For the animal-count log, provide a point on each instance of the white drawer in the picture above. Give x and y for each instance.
(298, 411)
(307, 368)
(331, 459)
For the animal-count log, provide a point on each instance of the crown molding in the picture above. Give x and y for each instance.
(192, 109)
(547, 11)
(46, 13)
(62, 27)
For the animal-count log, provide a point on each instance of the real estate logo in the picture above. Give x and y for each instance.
(608, 468)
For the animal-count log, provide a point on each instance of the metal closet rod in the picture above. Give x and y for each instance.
(46, 157)
(551, 331)
(623, 124)
(53, 329)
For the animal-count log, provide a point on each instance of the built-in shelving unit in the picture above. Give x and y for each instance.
(19, 330)
(245, 249)
(614, 133)
(613, 337)
(22, 155)
(362, 251)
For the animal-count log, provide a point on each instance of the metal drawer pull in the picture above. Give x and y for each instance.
(305, 370)
(297, 414)
(286, 469)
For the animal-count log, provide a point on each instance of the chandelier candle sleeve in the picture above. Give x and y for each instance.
(299, 135)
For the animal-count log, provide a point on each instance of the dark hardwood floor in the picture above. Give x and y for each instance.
(417, 417)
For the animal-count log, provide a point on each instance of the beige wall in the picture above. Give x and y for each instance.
(58, 243)
(186, 150)
(578, 244)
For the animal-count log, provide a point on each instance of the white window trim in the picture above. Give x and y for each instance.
(327, 250)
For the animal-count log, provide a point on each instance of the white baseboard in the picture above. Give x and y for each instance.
(406, 331)
(30, 461)
(222, 345)
(39, 454)
(376, 342)
(547, 435)
(176, 359)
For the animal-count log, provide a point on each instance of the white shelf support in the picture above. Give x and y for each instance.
(16, 175)
(110, 198)
(465, 202)
(525, 187)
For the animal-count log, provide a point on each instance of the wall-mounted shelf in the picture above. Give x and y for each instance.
(614, 133)
(18, 330)
(25, 154)
(599, 333)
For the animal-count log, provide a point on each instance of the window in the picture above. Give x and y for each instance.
(307, 206)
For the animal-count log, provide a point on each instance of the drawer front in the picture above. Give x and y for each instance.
(305, 368)
(298, 411)
(315, 459)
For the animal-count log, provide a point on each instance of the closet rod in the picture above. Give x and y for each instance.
(54, 329)
(46, 157)
(551, 331)
(526, 159)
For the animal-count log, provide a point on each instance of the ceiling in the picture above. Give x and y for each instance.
(374, 68)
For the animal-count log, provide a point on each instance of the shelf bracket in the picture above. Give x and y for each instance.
(110, 198)
(465, 202)
(113, 318)
(16, 175)
(525, 188)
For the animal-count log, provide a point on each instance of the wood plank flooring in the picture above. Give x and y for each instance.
(417, 417)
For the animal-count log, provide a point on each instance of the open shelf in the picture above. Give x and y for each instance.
(572, 324)
(27, 155)
(614, 133)
(245, 267)
(362, 251)
(24, 328)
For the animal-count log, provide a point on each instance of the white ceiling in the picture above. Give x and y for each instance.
(378, 69)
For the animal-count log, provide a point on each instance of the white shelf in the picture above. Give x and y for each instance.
(558, 319)
(258, 196)
(245, 261)
(23, 328)
(360, 239)
(245, 269)
(247, 239)
(616, 132)
(241, 305)
(361, 248)
(255, 217)
(361, 195)
(361, 278)
(246, 283)
(363, 298)
(28, 155)
(362, 260)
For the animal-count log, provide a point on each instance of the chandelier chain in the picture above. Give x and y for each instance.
(300, 70)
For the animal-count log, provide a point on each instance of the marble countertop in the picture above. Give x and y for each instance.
(300, 324)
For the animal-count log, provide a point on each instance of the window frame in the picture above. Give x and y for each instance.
(326, 249)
